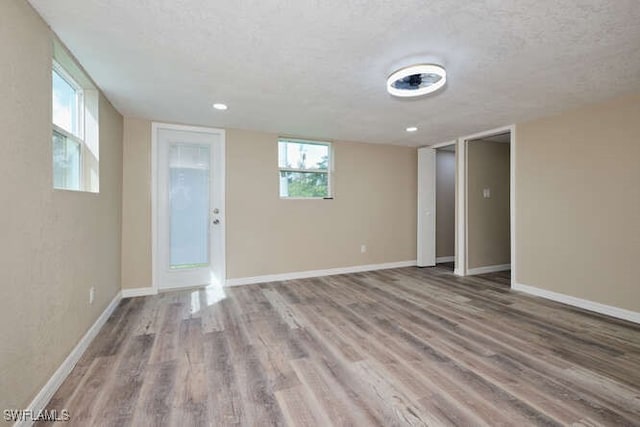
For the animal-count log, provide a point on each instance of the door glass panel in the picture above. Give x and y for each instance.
(189, 166)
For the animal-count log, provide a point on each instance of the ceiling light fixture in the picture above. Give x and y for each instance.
(220, 106)
(416, 80)
(411, 129)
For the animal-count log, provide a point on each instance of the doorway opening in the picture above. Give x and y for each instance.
(489, 196)
(484, 205)
(433, 212)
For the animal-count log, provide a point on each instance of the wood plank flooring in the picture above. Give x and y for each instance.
(396, 347)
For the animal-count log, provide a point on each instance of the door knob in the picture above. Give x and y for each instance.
(216, 221)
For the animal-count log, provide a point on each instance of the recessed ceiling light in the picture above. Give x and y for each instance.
(416, 80)
(220, 106)
(411, 129)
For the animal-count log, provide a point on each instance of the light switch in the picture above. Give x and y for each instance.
(486, 193)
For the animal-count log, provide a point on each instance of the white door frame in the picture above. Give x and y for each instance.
(155, 127)
(462, 198)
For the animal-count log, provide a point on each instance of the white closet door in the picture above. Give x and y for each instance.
(426, 207)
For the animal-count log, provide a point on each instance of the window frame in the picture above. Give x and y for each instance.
(79, 121)
(80, 104)
(84, 125)
(328, 171)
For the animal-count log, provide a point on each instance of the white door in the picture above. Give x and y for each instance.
(189, 206)
(426, 207)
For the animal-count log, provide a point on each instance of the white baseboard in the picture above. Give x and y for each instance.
(317, 273)
(609, 310)
(445, 259)
(488, 269)
(46, 393)
(138, 292)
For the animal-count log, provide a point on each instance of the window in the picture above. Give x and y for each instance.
(75, 126)
(305, 169)
(67, 132)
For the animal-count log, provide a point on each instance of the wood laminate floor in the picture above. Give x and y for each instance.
(406, 346)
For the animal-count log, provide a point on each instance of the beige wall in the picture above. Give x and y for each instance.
(55, 244)
(488, 219)
(578, 203)
(375, 205)
(136, 204)
(445, 203)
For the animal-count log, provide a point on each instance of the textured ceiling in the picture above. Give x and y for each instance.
(317, 68)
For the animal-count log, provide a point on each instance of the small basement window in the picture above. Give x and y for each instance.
(305, 169)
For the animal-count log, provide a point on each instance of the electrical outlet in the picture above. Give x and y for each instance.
(92, 295)
(486, 193)
(363, 249)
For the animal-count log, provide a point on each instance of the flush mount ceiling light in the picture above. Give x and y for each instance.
(220, 106)
(411, 129)
(416, 80)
